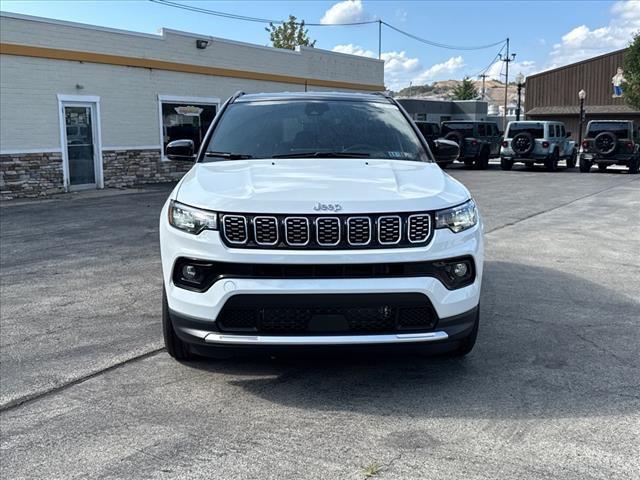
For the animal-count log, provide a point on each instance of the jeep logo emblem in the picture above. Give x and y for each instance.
(327, 207)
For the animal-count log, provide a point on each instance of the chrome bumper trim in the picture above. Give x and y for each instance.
(221, 338)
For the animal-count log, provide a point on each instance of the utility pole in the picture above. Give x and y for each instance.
(483, 76)
(507, 59)
(379, 39)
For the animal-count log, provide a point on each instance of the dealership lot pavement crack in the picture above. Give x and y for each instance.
(88, 392)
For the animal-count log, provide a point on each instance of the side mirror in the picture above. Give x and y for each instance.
(568, 134)
(445, 150)
(181, 150)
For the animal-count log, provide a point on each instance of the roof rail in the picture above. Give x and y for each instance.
(235, 96)
(386, 94)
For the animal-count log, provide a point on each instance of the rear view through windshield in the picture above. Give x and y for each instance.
(466, 129)
(620, 130)
(535, 129)
(314, 128)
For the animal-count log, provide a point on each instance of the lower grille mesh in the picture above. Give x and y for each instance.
(413, 312)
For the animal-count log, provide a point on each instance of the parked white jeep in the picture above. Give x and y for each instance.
(532, 142)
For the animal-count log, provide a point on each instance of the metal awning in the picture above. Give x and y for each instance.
(589, 109)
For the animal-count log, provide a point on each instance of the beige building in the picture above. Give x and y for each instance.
(91, 107)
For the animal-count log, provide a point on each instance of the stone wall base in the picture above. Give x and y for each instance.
(30, 175)
(127, 168)
(38, 175)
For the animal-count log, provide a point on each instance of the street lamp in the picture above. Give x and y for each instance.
(581, 95)
(519, 81)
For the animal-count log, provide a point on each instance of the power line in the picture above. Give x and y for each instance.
(441, 45)
(245, 18)
(495, 58)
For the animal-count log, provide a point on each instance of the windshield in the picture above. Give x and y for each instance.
(535, 129)
(466, 129)
(620, 130)
(428, 129)
(314, 128)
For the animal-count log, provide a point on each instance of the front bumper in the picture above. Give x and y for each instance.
(194, 314)
(537, 155)
(199, 333)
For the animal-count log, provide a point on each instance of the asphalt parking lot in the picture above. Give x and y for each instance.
(550, 391)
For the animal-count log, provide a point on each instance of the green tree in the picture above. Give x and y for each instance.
(631, 84)
(465, 90)
(290, 34)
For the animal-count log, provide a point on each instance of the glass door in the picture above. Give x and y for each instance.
(80, 146)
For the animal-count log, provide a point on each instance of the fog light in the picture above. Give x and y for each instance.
(460, 269)
(189, 272)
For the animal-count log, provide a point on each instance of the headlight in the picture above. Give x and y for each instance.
(190, 219)
(458, 218)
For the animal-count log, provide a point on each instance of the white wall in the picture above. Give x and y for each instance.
(179, 47)
(29, 86)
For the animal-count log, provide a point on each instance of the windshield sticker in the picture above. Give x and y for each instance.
(399, 155)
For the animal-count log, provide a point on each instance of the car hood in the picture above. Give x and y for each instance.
(298, 185)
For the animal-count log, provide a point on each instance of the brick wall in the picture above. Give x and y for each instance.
(30, 175)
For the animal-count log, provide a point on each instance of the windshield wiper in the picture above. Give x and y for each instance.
(323, 155)
(228, 155)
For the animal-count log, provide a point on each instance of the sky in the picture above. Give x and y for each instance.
(543, 34)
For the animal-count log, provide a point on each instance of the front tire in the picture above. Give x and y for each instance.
(506, 164)
(571, 161)
(467, 344)
(175, 347)
(634, 165)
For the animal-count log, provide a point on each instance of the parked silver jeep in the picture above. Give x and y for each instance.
(532, 142)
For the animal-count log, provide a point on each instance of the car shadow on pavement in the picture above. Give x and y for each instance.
(550, 345)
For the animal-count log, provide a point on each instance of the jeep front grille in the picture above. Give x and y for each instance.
(327, 231)
(296, 231)
(419, 228)
(358, 231)
(389, 230)
(235, 229)
(265, 230)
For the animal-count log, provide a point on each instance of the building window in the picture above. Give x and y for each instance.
(186, 118)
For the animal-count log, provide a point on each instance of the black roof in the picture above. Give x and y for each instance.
(349, 96)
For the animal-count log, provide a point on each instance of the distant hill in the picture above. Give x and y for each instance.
(443, 90)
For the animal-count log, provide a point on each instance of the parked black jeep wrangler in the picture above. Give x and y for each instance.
(478, 141)
(430, 130)
(610, 142)
(444, 154)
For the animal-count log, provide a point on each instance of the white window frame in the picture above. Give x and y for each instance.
(180, 99)
(94, 103)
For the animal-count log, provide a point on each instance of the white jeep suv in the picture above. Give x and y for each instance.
(532, 142)
(317, 219)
